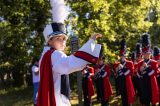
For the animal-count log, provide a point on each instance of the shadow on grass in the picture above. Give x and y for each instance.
(23, 97)
(16, 96)
(114, 100)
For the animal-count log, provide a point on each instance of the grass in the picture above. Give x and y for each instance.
(16, 97)
(23, 97)
(114, 100)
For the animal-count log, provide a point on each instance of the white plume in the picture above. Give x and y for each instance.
(59, 11)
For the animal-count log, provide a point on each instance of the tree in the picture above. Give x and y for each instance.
(115, 19)
(154, 16)
(21, 37)
(22, 22)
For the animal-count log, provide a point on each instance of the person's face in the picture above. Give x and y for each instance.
(139, 58)
(58, 42)
(36, 62)
(146, 55)
(101, 62)
(122, 58)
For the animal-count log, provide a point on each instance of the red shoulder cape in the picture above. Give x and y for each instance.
(129, 84)
(107, 86)
(90, 84)
(46, 88)
(154, 85)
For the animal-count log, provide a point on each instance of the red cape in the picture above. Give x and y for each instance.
(107, 86)
(107, 89)
(155, 90)
(129, 84)
(154, 84)
(130, 89)
(46, 88)
(90, 84)
(90, 88)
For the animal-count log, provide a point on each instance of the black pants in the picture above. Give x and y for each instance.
(140, 90)
(97, 83)
(146, 92)
(116, 86)
(87, 101)
(123, 90)
(104, 102)
(158, 80)
(135, 84)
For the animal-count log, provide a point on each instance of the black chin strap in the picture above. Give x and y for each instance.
(146, 60)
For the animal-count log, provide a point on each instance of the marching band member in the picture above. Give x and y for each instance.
(87, 85)
(102, 74)
(134, 77)
(124, 70)
(156, 56)
(55, 65)
(116, 78)
(138, 77)
(147, 69)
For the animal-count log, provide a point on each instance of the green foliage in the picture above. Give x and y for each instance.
(21, 37)
(115, 19)
(22, 22)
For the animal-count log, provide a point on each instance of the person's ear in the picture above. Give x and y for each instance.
(50, 42)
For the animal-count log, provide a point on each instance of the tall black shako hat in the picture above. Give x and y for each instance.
(59, 14)
(54, 29)
(146, 43)
(123, 48)
(156, 53)
(138, 50)
(133, 56)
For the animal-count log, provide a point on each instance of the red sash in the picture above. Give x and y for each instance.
(107, 88)
(46, 88)
(130, 89)
(155, 90)
(90, 88)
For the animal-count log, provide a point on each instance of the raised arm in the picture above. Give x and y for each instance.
(88, 53)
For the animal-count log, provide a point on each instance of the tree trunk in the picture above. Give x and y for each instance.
(79, 83)
(1, 80)
(74, 48)
(25, 81)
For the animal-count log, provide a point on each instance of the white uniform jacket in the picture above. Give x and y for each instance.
(63, 64)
